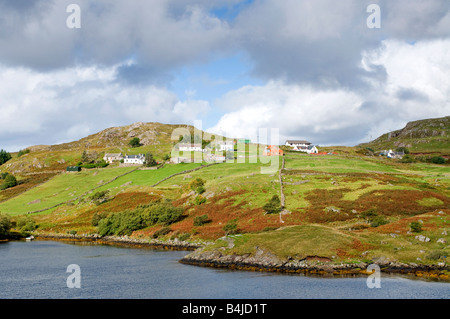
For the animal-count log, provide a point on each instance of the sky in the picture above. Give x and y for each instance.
(299, 69)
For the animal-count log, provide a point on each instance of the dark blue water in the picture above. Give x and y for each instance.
(38, 270)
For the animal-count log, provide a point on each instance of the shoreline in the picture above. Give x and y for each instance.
(263, 262)
(266, 262)
(122, 241)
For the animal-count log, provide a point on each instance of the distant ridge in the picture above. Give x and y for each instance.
(420, 137)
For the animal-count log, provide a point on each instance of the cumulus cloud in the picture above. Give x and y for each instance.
(69, 104)
(416, 86)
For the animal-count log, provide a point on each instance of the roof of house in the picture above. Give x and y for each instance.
(134, 156)
(297, 142)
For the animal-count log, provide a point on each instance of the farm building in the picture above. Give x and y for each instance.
(73, 169)
(298, 143)
(272, 150)
(112, 157)
(134, 159)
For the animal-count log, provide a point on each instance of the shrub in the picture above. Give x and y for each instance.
(97, 217)
(100, 197)
(201, 220)
(438, 160)
(378, 221)
(231, 227)
(5, 224)
(135, 142)
(196, 183)
(273, 206)
(200, 190)
(125, 222)
(23, 152)
(407, 159)
(199, 199)
(26, 223)
(163, 231)
(183, 236)
(8, 182)
(416, 227)
(149, 160)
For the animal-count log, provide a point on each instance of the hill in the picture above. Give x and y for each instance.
(422, 137)
(338, 208)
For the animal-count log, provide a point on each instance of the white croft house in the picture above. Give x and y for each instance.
(190, 148)
(112, 157)
(302, 146)
(298, 143)
(134, 159)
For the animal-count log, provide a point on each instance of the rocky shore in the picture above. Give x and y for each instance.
(123, 240)
(265, 261)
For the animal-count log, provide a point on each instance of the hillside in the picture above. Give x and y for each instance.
(423, 137)
(338, 209)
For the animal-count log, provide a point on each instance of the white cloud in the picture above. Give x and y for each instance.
(64, 105)
(416, 86)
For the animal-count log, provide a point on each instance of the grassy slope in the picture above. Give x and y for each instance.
(400, 193)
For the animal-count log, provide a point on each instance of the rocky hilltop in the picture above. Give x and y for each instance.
(423, 136)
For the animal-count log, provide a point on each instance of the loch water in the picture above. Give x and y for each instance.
(40, 270)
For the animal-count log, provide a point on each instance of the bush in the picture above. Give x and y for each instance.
(201, 220)
(5, 224)
(231, 227)
(407, 159)
(135, 142)
(273, 206)
(125, 222)
(416, 227)
(149, 160)
(8, 182)
(163, 231)
(97, 217)
(200, 190)
(26, 223)
(438, 160)
(23, 152)
(196, 183)
(100, 197)
(199, 199)
(378, 221)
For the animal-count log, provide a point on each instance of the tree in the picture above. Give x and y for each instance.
(4, 157)
(5, 224)
(273, 206)
(9, 181)
(149, 160)
(135, 142)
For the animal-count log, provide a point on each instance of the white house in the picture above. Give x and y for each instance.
(134, 159)
(297, 143)
(310, 149)
(392, 154)
(190, 147)
(112, 157)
